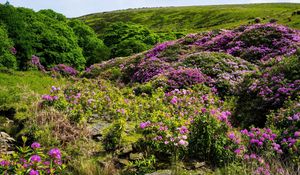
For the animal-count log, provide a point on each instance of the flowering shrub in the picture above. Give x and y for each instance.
(225, 70)
(158, 48)
(194, 120)
(148, 68)
(266, 91)
(253, 43)
(52, 97)
(208, 139)
(286, 120)
(184, 78)
(35, 61)
(33, 160)
(64, 70)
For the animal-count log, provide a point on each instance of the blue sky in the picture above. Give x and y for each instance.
(74, 8)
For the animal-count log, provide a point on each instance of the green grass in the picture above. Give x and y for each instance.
(20, 87)
(197, 18)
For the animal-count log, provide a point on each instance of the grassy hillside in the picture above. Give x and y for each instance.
(197, 18)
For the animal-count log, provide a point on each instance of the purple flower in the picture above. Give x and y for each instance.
(55, 153)
(174, 100)
(35, 159)
(297, 134)
(4, 163)
(183, 142)
(35, 145)
(183, 130)
(143, 125)
(34, 172)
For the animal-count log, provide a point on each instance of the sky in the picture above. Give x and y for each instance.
(75, 8)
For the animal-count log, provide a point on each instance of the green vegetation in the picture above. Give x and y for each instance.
(47, 35)
(217, 102)
(7, 59)
(197, 18)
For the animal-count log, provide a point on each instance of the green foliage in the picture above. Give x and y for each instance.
(47, 35)
(7, 59)
(125, 38)
(197, 18)
(208, 140)
(94, 49)
(113, 138)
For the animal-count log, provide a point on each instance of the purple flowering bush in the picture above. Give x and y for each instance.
(64, 70)
(287, 121)
(191, 127)
(262, 92)
(148, 68)
(33, 160)
(35, 61)
(184, 78)
(258, 42)
(226, 71)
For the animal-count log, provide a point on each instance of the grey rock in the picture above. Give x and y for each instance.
(136, 156)
(161, 172)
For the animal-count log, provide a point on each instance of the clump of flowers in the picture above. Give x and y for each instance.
(65, 70)
(35, 61)
(274, 88)
(13, 50)
(184, 77)
(148, 68)
(53, 96)
(254, 42)
(33, 160)
(159, 48)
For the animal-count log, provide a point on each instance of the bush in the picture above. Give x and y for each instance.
(113, 138)
(259, 42)
(208, 140)
(44, 34)
(225, 70)
(127, 38)
(93, 48)
(33, 160)
(7, 51)
(266, 91)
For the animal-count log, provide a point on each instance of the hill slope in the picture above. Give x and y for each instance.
(197, 18)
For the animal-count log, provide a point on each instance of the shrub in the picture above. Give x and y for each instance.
(268, 91)
(7, 51)
(208, 140)
(226, 71)
(127, 38)
(65, 70)
(33, 160)
(113, 138)
(253, 43)
(93, 48)
(184, 78)
(148, 68)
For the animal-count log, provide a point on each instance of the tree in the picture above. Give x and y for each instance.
(120, 36)
(94, 49)
(7, 59)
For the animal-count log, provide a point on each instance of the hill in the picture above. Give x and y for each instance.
(197, 18)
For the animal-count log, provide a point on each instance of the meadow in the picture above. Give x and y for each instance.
(220, 97)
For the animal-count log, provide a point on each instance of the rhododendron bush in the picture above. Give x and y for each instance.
(33, 160)
(227, 97)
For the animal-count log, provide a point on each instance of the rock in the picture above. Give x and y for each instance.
(98, 128)
(124, 162)
(161, 172)
(136, 156)
(199, 164)
(125, 150)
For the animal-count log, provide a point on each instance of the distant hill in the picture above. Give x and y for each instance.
(197, 18)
